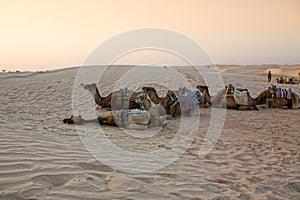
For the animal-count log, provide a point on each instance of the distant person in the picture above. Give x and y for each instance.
(269, 76)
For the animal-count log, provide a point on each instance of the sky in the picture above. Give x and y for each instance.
(40, 35)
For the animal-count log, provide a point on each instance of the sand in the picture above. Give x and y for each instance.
(256, 156)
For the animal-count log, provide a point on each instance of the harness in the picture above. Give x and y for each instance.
(175, 100)
(139, 102)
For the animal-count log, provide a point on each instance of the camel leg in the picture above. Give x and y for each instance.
(255, 107)
(107, 120)
(290, 104)
(156, 123)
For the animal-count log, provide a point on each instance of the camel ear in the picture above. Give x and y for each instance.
(198, 87)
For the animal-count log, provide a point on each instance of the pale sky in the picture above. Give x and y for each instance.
(42, 34)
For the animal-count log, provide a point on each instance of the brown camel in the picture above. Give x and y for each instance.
(155, 117)
(270, 98)
(123, 99)
(226, 98)
(169, 102)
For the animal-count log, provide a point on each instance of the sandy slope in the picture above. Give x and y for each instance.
(256, 157)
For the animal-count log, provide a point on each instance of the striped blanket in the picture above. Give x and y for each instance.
(284, 93)
(241, 97)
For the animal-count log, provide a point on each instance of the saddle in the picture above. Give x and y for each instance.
(133, 119)
(123, 94)
(241, 96)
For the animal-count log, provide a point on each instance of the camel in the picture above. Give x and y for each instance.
(289, 80)
(123, 99)
(156, 113)
(155, 117)
(169, 102)
(270, 98)
(226, 98)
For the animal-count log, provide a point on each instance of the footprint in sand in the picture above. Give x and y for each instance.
(54, 180)
(96, 167)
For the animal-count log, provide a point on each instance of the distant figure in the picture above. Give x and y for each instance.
(269, 76)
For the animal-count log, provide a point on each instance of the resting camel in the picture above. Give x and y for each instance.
(123, 99)
(156, 116)
(169, 102)
(272, 100)
(290, 80)
(226, 98)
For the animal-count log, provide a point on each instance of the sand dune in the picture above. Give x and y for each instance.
(282, 72)
(256, 157)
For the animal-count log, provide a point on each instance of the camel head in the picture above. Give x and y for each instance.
(138, 96)
(229, 89)
(203, 89)
(90, 87)
(271, 91)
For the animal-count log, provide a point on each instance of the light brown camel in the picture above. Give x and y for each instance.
(155, 117)
(123, 99)
(225, 99)
(270, 98)
(169, 102)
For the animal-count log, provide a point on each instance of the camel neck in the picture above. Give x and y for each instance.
(98, 98)
(154, 97)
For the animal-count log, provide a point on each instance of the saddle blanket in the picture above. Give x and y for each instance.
(188, 99)
(241, 97)
(133, 119)
(284, 93)
(186, 102)
(194, 94)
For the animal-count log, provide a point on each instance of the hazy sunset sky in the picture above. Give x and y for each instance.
(39, 35)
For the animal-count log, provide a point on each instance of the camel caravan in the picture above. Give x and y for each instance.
(289, 80)
(143, 109)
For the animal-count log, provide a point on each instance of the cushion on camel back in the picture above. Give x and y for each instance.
(241, 97)
(138, 119)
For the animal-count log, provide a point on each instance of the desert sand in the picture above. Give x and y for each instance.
(256, 156)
